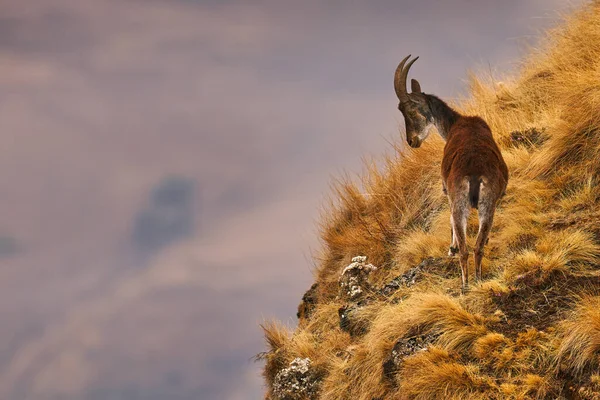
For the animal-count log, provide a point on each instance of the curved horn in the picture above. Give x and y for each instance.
(400, 78)
(399, 84)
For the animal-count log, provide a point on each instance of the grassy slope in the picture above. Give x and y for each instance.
(532, 329)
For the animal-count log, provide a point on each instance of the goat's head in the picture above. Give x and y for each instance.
(414, 106)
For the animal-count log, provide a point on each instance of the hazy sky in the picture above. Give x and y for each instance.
(163, 164)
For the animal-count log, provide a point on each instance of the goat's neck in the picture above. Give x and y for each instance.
(443, 115)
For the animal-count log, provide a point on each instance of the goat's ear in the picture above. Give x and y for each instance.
(415, 86)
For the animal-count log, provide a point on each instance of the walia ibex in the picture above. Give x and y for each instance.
(474, 174)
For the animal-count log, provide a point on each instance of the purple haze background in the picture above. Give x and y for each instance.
(163, 164)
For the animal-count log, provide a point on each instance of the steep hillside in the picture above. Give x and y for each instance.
(395, 326)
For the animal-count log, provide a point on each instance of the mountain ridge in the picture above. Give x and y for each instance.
(385, 318)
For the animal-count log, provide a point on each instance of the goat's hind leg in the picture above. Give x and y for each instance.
(453, 250)
(486, 211)
(453, 243)
(460, 214)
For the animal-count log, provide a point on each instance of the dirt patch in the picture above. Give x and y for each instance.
(407, 279)
(308, 304)
(583, 219)
(539, 300)
(403, 348)
(529, 138)
(443, 266)
(350, 323)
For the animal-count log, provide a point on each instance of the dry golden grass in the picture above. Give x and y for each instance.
(580, 346)
(531, 330)
(435, 374)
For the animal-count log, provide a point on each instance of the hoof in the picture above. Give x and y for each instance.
(452, 251)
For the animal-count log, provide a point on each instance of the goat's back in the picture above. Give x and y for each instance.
(471, 152)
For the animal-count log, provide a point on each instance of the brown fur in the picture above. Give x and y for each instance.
(471, 151)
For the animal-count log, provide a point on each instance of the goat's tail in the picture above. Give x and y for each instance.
(474, 187)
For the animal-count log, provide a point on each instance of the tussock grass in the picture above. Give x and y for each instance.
(531, 330)
(435, 374)
(580, 346)
(434, 313)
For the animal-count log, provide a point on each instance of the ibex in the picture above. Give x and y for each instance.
(474, 174)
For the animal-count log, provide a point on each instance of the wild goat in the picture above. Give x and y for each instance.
(474, 174)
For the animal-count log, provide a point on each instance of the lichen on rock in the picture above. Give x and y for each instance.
(298, 381)
(354, 278)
